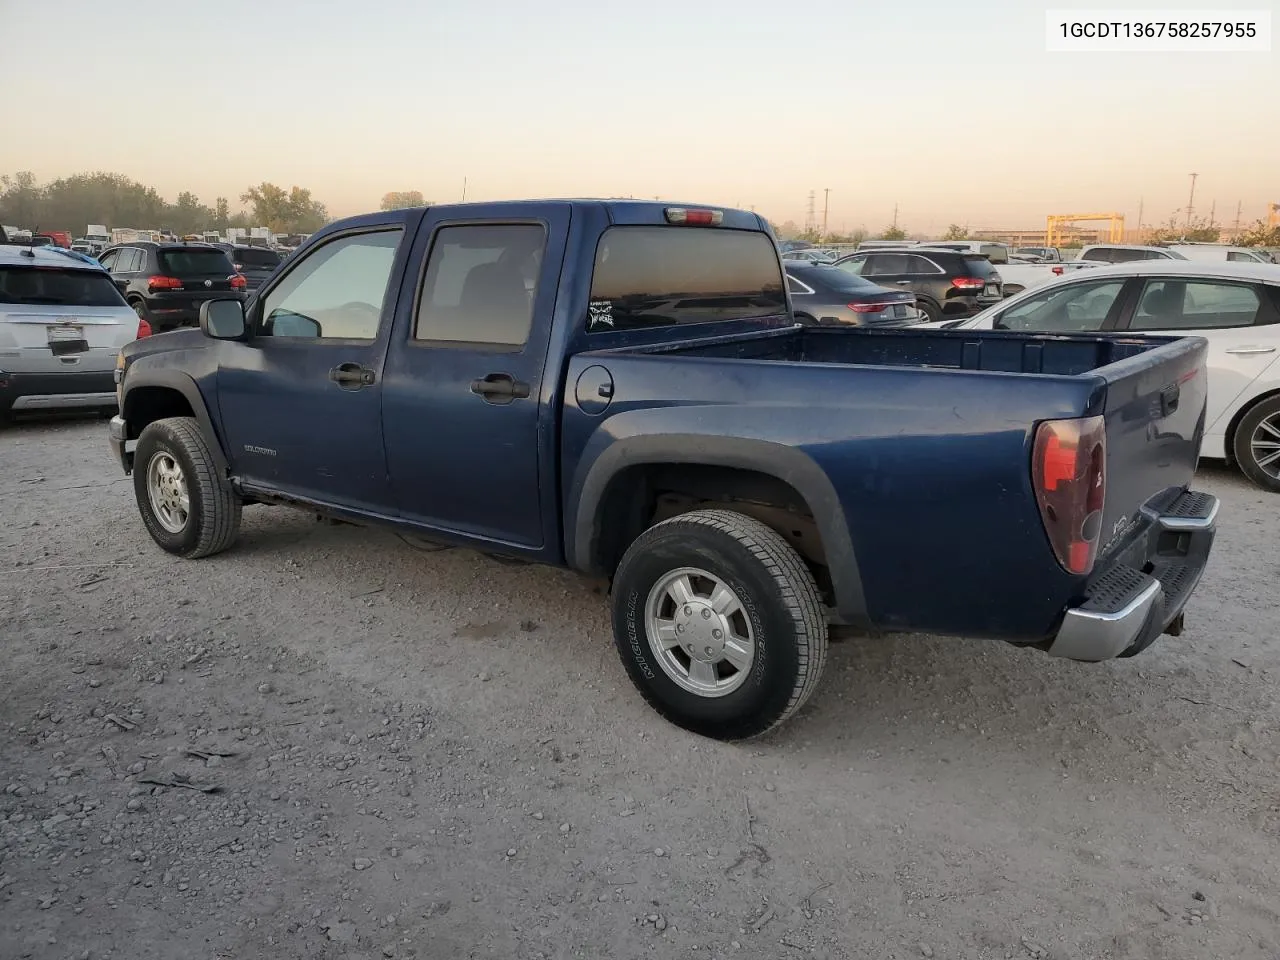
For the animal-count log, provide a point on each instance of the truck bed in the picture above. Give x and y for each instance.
(989, 350)
(929, 434)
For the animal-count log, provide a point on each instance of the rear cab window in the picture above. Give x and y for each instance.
(195, 262)
(649, 276)
(54, 287)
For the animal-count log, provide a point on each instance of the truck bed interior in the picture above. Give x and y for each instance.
(995, 351)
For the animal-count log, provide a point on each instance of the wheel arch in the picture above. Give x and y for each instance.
(1229, 436)
(617, 500)
(156, 395)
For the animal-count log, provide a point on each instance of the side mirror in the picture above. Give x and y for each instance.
(284, 324)
(223, 320)
(121, 283)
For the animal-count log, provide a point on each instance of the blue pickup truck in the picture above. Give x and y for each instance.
(619, 387)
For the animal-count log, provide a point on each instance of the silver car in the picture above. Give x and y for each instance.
(62, 325)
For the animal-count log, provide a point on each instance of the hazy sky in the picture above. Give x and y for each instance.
(952, 109)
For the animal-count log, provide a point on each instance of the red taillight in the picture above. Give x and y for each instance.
(694, 218)
(164, 283)
(869, 307)
(1057, 271)
(968, 283)
(238, 282)
(1068, 471)
(144, 329)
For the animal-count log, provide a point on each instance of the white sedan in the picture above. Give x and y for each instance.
(1235, 306)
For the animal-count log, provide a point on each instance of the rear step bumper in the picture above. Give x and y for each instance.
(1143, 593)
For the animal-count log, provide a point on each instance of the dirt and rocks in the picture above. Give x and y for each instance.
(328, 743)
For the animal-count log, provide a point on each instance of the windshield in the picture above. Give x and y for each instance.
(195, 262)
(49, 285)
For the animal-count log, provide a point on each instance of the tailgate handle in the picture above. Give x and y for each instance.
(1251, 350)
(1169, 399)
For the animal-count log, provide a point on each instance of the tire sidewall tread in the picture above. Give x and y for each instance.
(1242, 449)
(214, 520)
(779, 596)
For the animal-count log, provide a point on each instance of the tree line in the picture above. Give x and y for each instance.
(114, 200)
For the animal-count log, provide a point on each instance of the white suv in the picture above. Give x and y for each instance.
(62, 324)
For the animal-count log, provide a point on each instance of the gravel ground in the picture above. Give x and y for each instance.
(414, 754)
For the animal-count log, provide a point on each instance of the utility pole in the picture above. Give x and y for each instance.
(826, 200)
(464, 189)
(895, 216)
(1239, 210)
(1191, 200)
(1213, 208)
(811, 217)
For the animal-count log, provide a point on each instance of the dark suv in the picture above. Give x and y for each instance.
(165, 283)
(255, 264)
(948, 284)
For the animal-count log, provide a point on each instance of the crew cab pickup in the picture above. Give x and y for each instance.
(619, 387)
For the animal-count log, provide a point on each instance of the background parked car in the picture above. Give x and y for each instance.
(825, 295)
(255, 264)
(1126, 253)
(811, 255)
(166, 282)
(1221, 253)
(1235, 306)
(946, 283)
(62, 323)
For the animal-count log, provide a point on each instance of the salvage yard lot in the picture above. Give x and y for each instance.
(433, 754)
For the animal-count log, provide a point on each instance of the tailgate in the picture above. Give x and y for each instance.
(1154, 410)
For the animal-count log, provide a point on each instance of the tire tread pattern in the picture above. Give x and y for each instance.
(797, 590)
(220, 508)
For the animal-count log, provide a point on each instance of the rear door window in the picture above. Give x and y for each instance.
(655, 276)
(920, 265)
(886, 265)
(195, 262)
(63, 288)
(1195, 305)
(480, 284)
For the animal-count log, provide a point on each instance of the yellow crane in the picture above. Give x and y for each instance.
(1054, 235)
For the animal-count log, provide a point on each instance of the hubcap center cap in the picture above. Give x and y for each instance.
(701, 631)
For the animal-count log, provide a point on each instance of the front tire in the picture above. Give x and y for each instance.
(1256, 444)
(719, 624)
(186, 506)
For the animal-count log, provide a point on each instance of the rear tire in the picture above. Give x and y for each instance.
(930, 311)
(186, 506)
(773, 637)
(1257, 437)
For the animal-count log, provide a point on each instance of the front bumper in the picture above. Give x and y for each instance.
(1142, 593)
(118, 438)
(56, 391)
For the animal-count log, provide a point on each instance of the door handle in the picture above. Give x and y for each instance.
(1252, 350)
(902, 283)
(352, 375)
(499, 388)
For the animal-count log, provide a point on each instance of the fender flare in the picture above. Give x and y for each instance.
(183, 384)
(782, 462)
